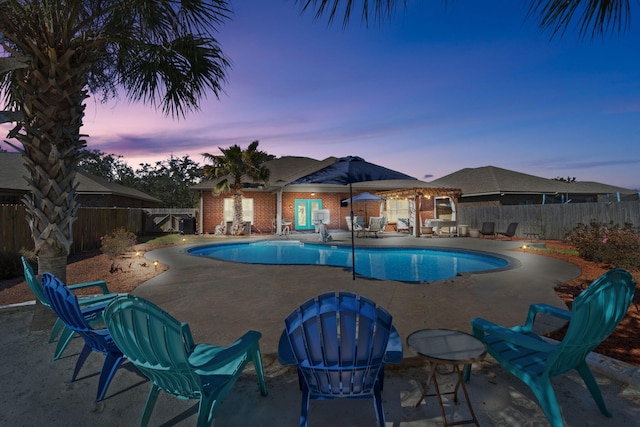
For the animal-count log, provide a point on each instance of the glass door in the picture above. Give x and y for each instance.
(304, 209)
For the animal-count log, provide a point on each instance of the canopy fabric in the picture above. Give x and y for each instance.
(364, 197)
(351, 169)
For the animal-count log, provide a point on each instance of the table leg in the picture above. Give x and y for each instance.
(459, 384)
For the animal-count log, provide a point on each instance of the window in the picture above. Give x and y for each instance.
(247, 210)
(397, 208)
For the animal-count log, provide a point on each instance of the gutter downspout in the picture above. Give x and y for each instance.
(201, 213)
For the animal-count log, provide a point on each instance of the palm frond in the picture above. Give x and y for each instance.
(592, 17)
(380, 9)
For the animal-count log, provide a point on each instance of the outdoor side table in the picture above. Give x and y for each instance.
(444, 348)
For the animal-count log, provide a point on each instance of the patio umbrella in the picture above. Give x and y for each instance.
(350, 170)
(365, 197)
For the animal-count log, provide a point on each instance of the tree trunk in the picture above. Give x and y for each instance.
(56, 265)
(53, 107)
(237, 214)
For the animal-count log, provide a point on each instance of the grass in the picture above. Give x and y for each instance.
(555, 251)
(158, 241)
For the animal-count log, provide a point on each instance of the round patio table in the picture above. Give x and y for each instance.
(445, 348)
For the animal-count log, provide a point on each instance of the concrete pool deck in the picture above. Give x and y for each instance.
(221, 300)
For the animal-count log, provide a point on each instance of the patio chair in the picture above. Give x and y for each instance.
(65, 304)
(163, 349)
(356, 227)
(59, 328)
(511, 231)
(488, 229)
(339, 345)
(375, 226)
(402, 224)
(594, 315)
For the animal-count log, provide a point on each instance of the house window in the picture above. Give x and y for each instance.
(397, 208)
(247, 209)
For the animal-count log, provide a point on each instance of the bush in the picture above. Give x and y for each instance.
(608, 244)
(117, 243)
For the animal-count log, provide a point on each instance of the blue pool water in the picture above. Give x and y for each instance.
(402, 264)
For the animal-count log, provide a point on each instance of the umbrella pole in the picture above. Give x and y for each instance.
(353, 242)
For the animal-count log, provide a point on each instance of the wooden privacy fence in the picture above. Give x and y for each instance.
(90, 225)
(551, 221)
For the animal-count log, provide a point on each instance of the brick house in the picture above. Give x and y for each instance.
(264, 204)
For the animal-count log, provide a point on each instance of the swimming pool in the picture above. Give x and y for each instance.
(402, 264)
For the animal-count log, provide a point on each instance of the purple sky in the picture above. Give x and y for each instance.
(437, 89)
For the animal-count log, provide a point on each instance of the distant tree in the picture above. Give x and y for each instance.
(170, 181)
(111, 167)
(567, 179)
(230, 167)
(592, 17)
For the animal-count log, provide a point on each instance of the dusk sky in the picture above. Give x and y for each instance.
(440, 87)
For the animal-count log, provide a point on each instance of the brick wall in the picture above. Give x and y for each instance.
(264, 205)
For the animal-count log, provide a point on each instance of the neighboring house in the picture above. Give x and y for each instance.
(490, 185)
(264, 203)
(92, 191)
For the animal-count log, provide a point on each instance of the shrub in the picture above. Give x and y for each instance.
(117, 243)
(608, 244)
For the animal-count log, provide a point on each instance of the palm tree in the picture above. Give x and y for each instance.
(55, 52)
(234, 165)
(592, 17)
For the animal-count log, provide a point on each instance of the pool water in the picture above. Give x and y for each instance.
(402, 264)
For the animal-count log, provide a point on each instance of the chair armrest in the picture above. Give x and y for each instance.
(285, 352)
(482, 326)
(206, 358)
(98, 283)
(91, 300)
(93, 312)
(394, 352)
(550, 310)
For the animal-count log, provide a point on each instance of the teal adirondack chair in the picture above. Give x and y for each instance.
(339, 345)
(162, 348)
(59, 328)
(594, 315)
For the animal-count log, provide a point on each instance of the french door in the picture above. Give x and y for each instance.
(304, 209)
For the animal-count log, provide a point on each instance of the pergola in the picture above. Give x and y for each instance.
(416, 193)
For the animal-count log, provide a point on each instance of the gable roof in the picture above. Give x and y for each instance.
(489, 180)
(13, 171)
(283, 170)
(287, 169)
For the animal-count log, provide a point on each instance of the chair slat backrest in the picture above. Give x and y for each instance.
(157, 343)
(33, 283)
(339, 342)
(595, 314)
(65, 304)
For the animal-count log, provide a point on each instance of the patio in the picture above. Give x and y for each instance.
(222, 300)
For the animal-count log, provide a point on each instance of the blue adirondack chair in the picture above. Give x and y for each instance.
(65, 304)
(59, 328)
(162, 348)
(339, 344)
(595, 313)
